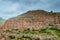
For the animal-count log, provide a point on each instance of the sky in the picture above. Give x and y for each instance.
(12, 8)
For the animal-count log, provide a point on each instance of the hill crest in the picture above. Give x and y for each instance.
(36, 19)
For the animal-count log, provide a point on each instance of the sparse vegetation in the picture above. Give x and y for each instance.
(37, 19)
(50, 30)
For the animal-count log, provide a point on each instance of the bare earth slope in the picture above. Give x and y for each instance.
(36, 19)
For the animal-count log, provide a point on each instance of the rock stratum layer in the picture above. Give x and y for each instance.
(36, 19)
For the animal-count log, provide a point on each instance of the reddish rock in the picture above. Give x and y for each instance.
(36, 19)
(3, 39)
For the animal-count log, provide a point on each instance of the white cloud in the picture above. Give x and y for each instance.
(16, 7)
(8, 7)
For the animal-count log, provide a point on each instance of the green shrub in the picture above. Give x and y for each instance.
(12, 37)
(8, 30)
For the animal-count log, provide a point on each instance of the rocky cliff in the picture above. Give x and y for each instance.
(35, 19)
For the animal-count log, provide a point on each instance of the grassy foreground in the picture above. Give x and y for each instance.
(49, 33)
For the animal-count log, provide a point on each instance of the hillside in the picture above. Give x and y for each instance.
(32, 25)
(35, 19)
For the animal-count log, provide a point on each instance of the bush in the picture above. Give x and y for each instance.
(12, 37)
(7, 30)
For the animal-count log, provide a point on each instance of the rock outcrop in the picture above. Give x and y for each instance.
(36, 19)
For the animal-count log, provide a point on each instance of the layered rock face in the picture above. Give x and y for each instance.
(36, 19)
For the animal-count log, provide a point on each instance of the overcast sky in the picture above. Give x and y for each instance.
(11, 8)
